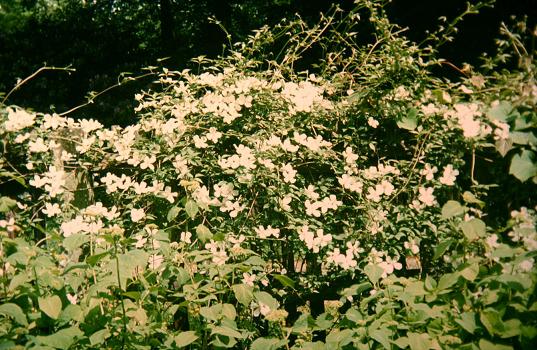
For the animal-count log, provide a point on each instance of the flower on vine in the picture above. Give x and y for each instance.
(449, 176)
(137, 214)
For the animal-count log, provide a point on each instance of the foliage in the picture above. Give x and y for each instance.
(257, 205)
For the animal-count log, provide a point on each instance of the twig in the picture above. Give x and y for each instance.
(22, 82)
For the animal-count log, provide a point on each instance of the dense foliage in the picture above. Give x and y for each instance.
(363, 203)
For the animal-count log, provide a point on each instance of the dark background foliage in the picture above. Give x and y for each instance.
(103, 38)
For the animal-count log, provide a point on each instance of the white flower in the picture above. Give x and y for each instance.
(312, 209)
(310, 192)
(137, 214)
(248, 279)
(147, 163)
(18, 119)
(288, 146)
(284, 203)
(412, 246)
(186, 237)
(140, 241)
(372, 122)
(350, 183)
(288, 173)
(213, 135)
(526, 265)
(73, 299)
(200, 142)
(52, 209)
(155, 261)
(492, 241)
(449, 176)
(37, 146)
(264, 233)
(350, 157)
(426, 196)
(429, 172)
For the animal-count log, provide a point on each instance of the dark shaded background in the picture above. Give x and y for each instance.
(103, 38)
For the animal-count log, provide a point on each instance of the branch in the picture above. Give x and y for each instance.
(22, 82)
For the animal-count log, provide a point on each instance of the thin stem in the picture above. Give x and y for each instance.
(30, 77)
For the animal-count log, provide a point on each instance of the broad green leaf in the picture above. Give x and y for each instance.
(382, 336)
(63, 339)
(99, 337)
(512, 328)
(191, 208)
(17, 280)
(356, 289)
(6, 204)
(487, 345)
(418, 341)
(203, 233)
(467, 321)
(492, 321)
(172, 213)
(500, 111)
(409, 121)
(469, 197)
(267, 344)
(451, 209)
(503, 146)
(470, 272)
(229, 311)
(373, 272)
(14, 311)
(72, 312)
(267, 299)
(74, 241)
(523, 166)
(94, 259)
(401, 342)
(447, 280)
(473, 229)
(51, 306)
(185, 338)
(284, 280)
(340, 337)
(228, 332)
(441, 248)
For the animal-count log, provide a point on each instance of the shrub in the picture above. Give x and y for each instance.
(254, 205)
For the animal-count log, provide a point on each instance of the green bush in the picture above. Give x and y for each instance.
(258, 206)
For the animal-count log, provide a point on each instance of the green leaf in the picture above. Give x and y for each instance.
(451, 209)
(469, 197)
(284, 280)
(172, 213)
(410, 121)
(185, 338)
(523, 165)
(191, 208)
(447, 280)
(6, 204)
(51, 306)
(356, 289)
(62, 339)
(382, 336)
(74, 241)
(441, 248)
(500, 111)
(203, 233)
(418, 341)
(467, 321)
(470, 272)
(373, 272)
(267, 344)
(473, 229)
(339, 337)
(487, 345)
(503, 146)
(267, 299)
(94, 259)
(512, 328)
(99, 337)
(228, 332)
(14, 311)
(492, 321)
